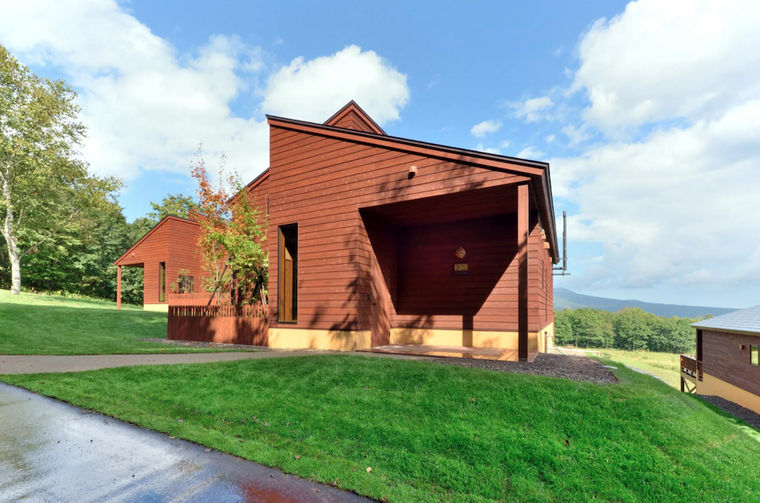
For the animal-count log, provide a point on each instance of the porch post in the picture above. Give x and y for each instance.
(522, 271)
(118, 287)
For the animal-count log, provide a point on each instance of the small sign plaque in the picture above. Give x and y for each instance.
(460, 268)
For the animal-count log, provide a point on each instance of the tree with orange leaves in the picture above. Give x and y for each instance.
(232, 238)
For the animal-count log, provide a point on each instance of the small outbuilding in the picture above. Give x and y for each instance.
(171, 262)
(727, 363)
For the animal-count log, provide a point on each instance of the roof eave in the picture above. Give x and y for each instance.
(538, 171)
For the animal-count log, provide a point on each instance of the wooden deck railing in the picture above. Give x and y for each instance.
(691, 366)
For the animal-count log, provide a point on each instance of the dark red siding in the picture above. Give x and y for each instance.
(173, 241)
(322, 184)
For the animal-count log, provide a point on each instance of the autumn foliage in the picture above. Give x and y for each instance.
(232, 240)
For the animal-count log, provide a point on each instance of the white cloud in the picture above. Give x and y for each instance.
(533, 109)
(491, 150)
(675, 208)
(550, 138)
(148, 107)
(484, 128)
(575, 134)
(530, 153)
(314, 90)
(145, 106)
(665, 60)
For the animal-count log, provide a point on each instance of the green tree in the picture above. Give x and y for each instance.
(633, 328)
(589, 328)
(178, 205)
(563, 327)
(232, 237)
(44, 188)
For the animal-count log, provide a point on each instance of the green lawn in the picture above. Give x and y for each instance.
(54, 325)
(666, 366)
(432, 432)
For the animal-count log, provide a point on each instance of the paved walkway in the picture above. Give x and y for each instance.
(52, 451)
(33, 364)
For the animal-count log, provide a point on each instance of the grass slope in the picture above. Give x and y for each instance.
(666, 366)
(432, 432)
(53, 325)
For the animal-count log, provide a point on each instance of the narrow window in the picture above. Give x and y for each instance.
(267, 206)
(162, 282)
(753, 359)
(287, 291)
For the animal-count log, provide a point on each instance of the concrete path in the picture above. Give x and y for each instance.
(52, 451)
(33, 364)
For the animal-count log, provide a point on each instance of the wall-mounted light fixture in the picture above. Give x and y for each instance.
(412, 171)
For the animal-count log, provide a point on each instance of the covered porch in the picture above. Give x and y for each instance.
(450, 274)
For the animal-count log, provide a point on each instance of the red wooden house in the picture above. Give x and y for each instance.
(727, 363)
(171, 264)
(377, 241)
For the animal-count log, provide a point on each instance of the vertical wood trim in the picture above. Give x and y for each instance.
(118, 287)
(523, 217)
(280, 293)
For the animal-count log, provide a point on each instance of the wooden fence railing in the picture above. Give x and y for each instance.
(691, 366)
(225, 323)
(197, 299)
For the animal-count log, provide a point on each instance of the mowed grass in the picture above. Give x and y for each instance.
(666, 366)
(54, 325)
(421, 431)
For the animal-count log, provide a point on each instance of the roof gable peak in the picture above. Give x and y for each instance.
(352, 116)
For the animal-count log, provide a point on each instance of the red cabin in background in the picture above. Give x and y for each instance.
(172, 269)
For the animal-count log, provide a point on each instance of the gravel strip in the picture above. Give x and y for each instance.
(576, 368)
(734, 409)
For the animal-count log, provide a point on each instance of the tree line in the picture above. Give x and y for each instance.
(79, 260)
(630, 329)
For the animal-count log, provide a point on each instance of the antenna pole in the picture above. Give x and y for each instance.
(563, 268)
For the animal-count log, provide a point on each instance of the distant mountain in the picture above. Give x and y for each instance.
(567, 299)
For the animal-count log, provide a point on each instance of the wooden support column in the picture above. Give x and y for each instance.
(523, 215)
(118, 287)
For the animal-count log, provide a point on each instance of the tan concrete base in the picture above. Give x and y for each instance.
(712, 386)
(546, 338)
(302, 338)
(470, 338)
(159, 308)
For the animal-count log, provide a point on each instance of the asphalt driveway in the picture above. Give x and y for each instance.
(52, 451)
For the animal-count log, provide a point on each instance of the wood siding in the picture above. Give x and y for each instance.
(724, 358)
(322, 184)
(173, 241)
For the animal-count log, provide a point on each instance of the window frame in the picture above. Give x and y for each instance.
(280, 253)
(162, 281)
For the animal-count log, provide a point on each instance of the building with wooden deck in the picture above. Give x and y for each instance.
(383, 242)
(171, 263)
(727, 362)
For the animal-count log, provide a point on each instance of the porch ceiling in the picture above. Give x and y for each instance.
(465, 205)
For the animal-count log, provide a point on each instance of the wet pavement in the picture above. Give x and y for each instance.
(52, 451)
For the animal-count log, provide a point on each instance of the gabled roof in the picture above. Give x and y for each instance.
(147, 234)
(537, 171)
(352, 116)
(743, 321)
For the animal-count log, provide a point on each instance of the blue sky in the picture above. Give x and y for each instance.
(649, 111)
